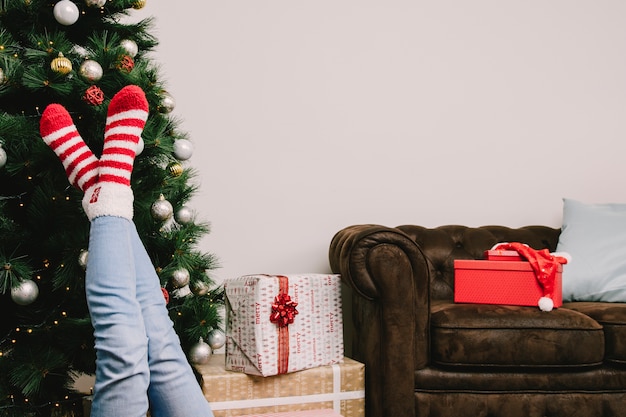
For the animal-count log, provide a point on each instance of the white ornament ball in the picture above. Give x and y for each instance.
(184, 215)
(130, 46)
(3, 77)
(183, 149)
(167, 103)
(180, 278)
(95, 3)
(3, 157)
(90, 71)
(216, 339)
(162, 209)
(65, 12)
(25, 293)
(200, 353)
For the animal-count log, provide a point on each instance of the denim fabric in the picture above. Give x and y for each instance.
(140, 363)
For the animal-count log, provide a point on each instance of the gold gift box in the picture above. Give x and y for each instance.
(340, 387)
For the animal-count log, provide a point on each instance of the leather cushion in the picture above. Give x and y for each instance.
(612, 316)
(484, 335)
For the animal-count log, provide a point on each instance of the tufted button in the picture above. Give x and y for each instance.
(458, 245)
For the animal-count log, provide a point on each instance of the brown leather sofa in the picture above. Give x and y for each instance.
(425, 355)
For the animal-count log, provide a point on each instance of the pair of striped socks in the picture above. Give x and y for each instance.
(105, 181)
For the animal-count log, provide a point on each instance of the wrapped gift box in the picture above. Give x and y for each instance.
(339, 387)
(500, 282)
(257, 342)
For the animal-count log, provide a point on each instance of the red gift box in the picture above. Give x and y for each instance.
(498, 282)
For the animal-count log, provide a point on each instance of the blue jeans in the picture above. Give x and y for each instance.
(139, 363)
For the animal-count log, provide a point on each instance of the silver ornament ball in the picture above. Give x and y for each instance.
(90, 71)
(95, 3)
(200, 353)
(130, 46)
(180, 278)
(65, 12)
(167, 103)
(183, 149)
(25, 293)
(184, 215)
(161, 209)
(216, 339)
(82, 258)
(3, 157)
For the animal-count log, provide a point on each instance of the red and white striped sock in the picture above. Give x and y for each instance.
(59, 133)
(126, 118)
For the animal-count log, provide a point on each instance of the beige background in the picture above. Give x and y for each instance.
(308, 116)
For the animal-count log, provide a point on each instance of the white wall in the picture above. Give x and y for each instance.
(309, 116)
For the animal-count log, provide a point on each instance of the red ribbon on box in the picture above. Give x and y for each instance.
(283, 314)
(543, 263)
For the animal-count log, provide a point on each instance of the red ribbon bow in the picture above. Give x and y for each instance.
(283, 310)
(543, 263)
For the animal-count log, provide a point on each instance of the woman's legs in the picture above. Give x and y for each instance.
(173, 390)
(137, 350)
(122, 373)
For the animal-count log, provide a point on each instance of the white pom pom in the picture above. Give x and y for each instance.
(546, 304)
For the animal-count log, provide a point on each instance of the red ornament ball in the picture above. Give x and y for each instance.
(94, 95)
(126, 63)
(166, 295)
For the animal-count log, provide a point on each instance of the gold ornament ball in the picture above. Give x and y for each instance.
(61, 65)
(138, 4)
(199, 288)
(175, 169)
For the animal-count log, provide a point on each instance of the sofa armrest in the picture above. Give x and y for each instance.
(390, 280)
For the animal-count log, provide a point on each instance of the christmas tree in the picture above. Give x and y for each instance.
(79, 54)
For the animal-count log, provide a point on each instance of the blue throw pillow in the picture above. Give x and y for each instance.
(595, 237)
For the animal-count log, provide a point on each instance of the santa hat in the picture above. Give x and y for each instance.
(545, 266)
